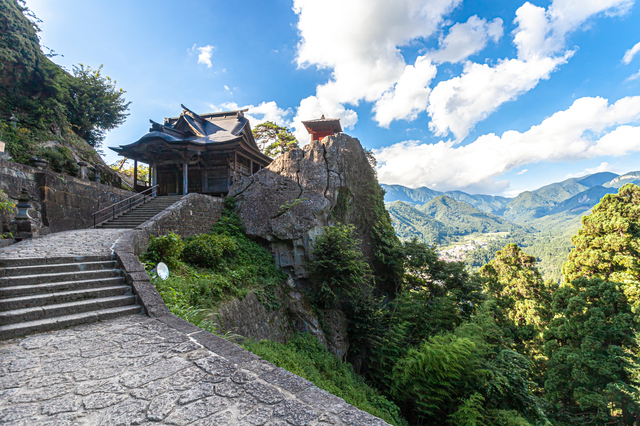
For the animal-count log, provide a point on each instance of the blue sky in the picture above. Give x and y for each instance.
(483, 96)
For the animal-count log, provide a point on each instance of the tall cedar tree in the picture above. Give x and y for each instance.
(608, 245)
(274, 140)
(523, 298)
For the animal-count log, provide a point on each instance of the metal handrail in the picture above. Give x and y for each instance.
(124, 206)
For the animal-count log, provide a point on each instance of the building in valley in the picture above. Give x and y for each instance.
(203, 153)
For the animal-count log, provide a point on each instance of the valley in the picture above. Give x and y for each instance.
(473, 227)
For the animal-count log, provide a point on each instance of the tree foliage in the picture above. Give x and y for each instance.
(523, 298)
(608, 244)
(337, 265)
(44, 96)
(95, 104)
(592, 348)
(274, 140)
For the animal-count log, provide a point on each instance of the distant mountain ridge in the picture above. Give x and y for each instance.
(541, 221)
(574, 194)
(443, 218)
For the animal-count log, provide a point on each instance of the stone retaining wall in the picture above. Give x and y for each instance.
(61, 202)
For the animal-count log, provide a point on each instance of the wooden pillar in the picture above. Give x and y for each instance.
(235, 166)
(135, 175)
(154, 176)
(185, 178)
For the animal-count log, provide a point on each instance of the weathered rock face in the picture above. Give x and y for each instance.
(289, 202)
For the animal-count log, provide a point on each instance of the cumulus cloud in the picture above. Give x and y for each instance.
(458, 104)
(590, 128)
(366, 63)
(523, 171)
(629, 54)
(266, 111)
(466, 39)
(603, 167)
(361, 47)
(204, 57)
(409, 96)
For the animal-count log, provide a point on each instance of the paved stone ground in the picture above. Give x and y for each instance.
(137, 370)
(62, 244)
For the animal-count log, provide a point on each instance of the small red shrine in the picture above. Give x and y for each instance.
(322, 127)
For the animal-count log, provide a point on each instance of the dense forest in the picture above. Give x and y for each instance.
(498, 347)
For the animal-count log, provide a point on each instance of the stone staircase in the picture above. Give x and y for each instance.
(42, 294)
(140, 214)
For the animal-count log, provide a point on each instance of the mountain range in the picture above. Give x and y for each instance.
(541, 220)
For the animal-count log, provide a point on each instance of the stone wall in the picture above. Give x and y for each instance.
(249, 318)
(194, 214)
(60, 202)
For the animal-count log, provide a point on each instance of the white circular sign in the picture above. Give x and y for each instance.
(163, 271)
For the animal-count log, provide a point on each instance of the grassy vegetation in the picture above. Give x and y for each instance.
(212, 268)
(307, 358)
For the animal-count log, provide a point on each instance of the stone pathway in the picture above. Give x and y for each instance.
(141, 370)
(84, 242)
(137, 370)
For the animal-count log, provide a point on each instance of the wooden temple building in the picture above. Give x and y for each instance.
(203, 153)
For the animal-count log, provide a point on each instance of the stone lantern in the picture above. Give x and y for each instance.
(14, 121)
(82, 173)
(23, 220)
(40, 163)
(96, 173)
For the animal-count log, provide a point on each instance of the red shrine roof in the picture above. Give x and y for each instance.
(323, 125)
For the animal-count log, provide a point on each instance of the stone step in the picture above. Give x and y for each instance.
(116, 226)
(14, 330)
(48, 288)
(34, 300)
(32, 261)
(24, 280)
(49, 311)
(14, 271)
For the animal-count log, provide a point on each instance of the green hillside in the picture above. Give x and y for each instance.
(527, 205)
(541, 221)
(464, 218)
(410, 223)
(583, 201)
(486, 203)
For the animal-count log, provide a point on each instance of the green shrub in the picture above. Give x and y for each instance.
(305, 356)
(207, 250)
(166, 248)
(60, 159)
(337, 265)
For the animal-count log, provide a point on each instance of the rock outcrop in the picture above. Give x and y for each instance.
(289, 202)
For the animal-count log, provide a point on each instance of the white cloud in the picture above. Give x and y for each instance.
(629, 54)
(523, 171)
(603, 167)
(590, 128)
(456, 105)
(361, 47)
(634, 76)
(205, 54)
(409, 96)
(465, 39)
(266, 111)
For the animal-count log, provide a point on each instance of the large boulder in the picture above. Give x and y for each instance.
(290, 201)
